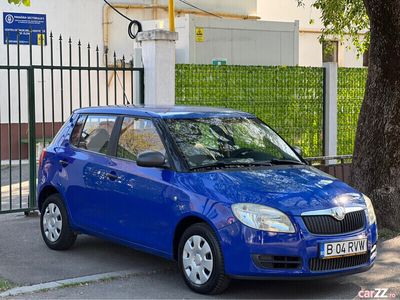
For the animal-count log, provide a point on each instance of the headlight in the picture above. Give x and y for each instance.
(262, 217)
(370, 210)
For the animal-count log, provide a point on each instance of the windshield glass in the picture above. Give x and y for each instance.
(208, 141)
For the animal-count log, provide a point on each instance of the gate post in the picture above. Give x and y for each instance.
(330, 109)
(158, 52)
(31, 137)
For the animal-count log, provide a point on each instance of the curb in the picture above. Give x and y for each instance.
(66, 282)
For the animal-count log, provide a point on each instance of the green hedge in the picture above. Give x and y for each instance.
(351, 89)
(289, 99)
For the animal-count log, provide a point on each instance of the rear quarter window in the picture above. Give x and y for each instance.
(76, 132)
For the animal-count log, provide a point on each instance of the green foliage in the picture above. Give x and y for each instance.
(344, 20)
(351, 90)
(5, 285)
(19, 2)
(289, 99)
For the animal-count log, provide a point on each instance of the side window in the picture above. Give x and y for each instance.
(76, 132)
(136, 136)
(96, 133)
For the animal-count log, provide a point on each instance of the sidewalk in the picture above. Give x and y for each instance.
(25, 260)
(19, 189)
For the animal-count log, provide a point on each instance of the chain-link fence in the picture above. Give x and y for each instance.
(289, 99)
(351, 89)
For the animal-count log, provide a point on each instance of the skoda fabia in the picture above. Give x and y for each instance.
(216, 190)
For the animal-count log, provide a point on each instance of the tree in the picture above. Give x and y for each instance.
(19, 2)
(376, 162)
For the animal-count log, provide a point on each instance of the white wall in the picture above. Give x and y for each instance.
(83, 20)
(310, 48)
(240, 42)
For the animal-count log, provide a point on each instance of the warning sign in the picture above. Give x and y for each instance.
(199, 34)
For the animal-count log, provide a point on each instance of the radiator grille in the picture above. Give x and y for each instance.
(319, 264)
(329, 225)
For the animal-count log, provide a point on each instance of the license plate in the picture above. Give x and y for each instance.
(329, 250)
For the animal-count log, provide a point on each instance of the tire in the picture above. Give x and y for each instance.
(54, 224)
(203, 266)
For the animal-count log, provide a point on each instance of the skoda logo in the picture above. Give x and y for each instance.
(338, 213)
(9, 19)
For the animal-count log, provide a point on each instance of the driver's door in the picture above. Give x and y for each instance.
(142, 211)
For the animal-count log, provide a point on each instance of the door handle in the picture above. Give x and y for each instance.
(63, 163)
(112, 176)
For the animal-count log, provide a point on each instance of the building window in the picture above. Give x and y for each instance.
(330, 51)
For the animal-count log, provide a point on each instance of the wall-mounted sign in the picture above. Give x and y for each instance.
(24, 24)
(199, 34)
(220, 61)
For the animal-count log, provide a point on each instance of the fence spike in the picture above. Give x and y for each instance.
(98, 75)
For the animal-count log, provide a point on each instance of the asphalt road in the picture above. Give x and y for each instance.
(25, 260)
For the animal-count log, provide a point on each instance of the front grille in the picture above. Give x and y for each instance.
(329, 225)
(277, 262)
(319, 264)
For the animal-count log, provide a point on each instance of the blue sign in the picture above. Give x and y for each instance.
(24, 24)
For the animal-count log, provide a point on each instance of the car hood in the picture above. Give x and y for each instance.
(291, 189)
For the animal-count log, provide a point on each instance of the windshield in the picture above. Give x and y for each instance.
(219, 141)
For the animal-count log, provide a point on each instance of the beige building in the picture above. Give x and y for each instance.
(310, 49)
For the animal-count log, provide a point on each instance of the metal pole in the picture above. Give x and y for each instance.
(32, 137)
(171, 11)
(141, 87)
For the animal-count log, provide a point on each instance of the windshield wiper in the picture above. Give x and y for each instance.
(231, 165)
(286, 162)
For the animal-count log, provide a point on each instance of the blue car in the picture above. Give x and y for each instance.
(216, 190)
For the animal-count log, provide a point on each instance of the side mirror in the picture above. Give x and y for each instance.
(150, 159)
(298, 150)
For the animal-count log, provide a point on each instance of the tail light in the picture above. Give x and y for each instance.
(41, 158)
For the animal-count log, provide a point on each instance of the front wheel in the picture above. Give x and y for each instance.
(201, 261)
(54, 224)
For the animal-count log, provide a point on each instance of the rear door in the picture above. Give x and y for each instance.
(86, 173)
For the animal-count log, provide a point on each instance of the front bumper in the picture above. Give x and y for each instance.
(241, 244)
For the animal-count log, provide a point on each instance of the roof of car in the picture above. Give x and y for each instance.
(168, 112)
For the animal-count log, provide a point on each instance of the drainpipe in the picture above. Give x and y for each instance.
(171, 13)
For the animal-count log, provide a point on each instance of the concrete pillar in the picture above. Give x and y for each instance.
(330, 108)
(158, 54)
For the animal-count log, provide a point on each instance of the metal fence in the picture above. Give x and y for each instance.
(337, 166)
(41, 85)
(290, 99)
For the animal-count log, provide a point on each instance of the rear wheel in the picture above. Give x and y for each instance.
(201, 261)
(54, 223)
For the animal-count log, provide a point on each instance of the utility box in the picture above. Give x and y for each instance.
(208, 40)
